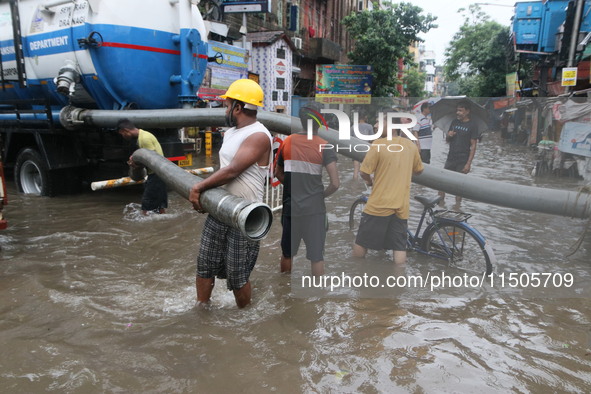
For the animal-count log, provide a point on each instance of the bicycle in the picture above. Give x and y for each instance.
(447, 236)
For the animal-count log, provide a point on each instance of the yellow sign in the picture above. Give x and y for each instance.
(208, 142)
(344, 98)
(569, 76)
(188, 162)
(511, 84)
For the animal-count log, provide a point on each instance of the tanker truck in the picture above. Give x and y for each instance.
(91, 54)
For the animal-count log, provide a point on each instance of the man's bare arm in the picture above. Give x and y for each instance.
(279, 173)
(333, 174)
(367, 178)
(468, 165)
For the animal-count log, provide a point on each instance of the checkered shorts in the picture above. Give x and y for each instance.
(226, 253)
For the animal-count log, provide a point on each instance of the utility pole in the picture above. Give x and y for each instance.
(574, 38)
(244, 31)
(575, 34)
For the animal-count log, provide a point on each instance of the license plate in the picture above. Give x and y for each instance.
(187, 162)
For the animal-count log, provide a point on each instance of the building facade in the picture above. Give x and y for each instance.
(313, 30)
(312, 33)
(272, 59)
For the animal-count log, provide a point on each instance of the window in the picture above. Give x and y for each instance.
(285, 96)
(291, 17)
(281, 53)
(275, 95)
(280, 83)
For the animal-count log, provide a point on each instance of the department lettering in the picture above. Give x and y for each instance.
(49, 43)
(7, 50)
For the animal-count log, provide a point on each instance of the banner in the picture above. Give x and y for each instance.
(219, 75)
(511, 84)
(343, 84)
(576, 139)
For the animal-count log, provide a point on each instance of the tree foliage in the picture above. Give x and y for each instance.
(476, 57)
(384, 36)
(415, 83)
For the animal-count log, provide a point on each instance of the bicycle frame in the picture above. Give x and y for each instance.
(447, 236)
(414, 241)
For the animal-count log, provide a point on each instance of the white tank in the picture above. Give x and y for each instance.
(107, 54)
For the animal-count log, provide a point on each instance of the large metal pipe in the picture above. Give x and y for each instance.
(551, 201)
(253, 219)
(529, 198)
(74, 118)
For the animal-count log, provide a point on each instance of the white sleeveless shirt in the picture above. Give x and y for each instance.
(249, 185)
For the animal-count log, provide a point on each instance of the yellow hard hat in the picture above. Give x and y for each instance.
(247, 91)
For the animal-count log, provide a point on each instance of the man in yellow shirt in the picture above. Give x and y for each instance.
(384, 220)
(155, 197)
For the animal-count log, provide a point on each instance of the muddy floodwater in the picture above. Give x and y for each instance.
(96, 298)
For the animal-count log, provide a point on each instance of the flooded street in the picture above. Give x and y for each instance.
(96, 298)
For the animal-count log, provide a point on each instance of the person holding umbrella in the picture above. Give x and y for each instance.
(462, 138)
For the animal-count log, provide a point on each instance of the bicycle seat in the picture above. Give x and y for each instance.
(428, 202)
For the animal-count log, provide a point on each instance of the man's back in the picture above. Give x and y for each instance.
(303, 160)
(392, 163)
(147, 140)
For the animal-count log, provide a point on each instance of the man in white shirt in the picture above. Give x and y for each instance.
(244, 164)
(424, 131)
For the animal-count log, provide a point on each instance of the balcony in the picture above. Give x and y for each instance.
(322, 48)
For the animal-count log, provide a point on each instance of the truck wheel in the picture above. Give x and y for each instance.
(31, 173)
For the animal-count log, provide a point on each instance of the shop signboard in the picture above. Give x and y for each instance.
(512, 84)
(219, 75)
(234, 6)
(343, 84)
(576, 139)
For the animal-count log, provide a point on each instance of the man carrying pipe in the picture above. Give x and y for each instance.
(245, 157)
(155, 197)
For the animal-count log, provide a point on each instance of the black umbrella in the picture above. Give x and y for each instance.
(443, 113)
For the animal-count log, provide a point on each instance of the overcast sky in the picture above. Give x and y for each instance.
(449, 20)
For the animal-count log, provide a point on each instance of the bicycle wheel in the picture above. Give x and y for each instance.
(355, 213)
(461, 245)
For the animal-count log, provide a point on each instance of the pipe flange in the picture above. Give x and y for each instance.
(70, 117)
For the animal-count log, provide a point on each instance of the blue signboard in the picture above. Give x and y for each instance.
(343, 84)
